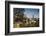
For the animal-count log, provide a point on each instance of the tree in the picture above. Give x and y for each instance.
(19, 12)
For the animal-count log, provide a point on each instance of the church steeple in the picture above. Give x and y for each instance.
(33, 16)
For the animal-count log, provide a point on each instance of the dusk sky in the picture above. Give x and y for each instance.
(29, 12)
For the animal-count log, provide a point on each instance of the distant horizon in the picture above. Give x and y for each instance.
(30, 12)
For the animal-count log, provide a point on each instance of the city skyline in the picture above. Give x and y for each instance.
(30, 12)
(26, 17)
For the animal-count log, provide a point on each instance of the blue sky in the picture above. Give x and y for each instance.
(29, 12)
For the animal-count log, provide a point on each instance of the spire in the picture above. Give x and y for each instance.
(33, 16)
